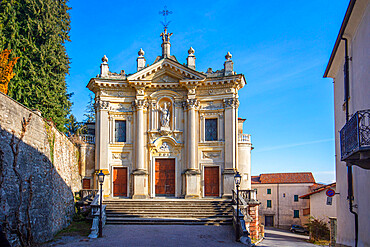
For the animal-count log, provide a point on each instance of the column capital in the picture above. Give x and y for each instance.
(231, 103)
(192, 103)
(140, 104)
(101, 105)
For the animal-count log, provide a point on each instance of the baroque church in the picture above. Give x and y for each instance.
(168, 130)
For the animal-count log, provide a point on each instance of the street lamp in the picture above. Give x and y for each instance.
(237, 179)
(101, 181)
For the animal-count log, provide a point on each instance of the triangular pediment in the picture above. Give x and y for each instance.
(166, 70)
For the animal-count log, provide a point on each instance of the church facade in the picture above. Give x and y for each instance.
(168, 130)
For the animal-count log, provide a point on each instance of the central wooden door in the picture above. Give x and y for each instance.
(165, 177)
(211, 181)
(120, 182)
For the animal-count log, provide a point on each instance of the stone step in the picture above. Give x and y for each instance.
(169, 221)
(175, 211)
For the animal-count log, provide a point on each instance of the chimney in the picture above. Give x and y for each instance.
(140, 60)
(104, 68)
(228, 65)
(191, 58)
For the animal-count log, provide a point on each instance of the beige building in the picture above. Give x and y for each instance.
(279, 196)
(349, 66)
(321, 207)
(168, 130)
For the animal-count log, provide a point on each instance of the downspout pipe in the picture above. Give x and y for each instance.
(349, 165)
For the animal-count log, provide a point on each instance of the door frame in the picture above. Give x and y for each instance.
(127, 177)
(152, 174)
(219, 178)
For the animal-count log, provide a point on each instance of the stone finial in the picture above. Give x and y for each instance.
(191, 51)
(191, 59)
(104, 68)
(140, 60)
(228, 56)
(228, 65)
(141, 52)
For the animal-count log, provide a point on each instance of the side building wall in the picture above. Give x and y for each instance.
(282, 203)
(39, 173)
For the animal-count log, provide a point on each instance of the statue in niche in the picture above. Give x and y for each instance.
(165, 115)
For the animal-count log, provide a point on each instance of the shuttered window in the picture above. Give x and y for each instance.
(269, 203)
(296, 214)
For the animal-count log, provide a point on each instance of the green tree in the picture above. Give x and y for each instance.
(36, 31)
(90, 110)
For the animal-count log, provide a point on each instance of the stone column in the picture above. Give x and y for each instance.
(231, 105)
(192, 173)
(140, 174)
(101, 142)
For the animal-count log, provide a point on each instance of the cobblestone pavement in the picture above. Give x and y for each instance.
(157, 235)
(278, 238)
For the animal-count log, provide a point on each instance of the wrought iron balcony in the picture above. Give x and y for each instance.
(355, 140)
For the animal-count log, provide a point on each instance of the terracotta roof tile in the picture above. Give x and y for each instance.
(283, 178)
(324, 187)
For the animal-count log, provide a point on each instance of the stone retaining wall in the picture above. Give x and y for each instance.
(39, 173)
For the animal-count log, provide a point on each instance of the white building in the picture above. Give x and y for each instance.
(321, 207)
(349, 66)
(279, 196)
(168, 130)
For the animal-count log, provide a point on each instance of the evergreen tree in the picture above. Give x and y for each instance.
(36, 31)
(90, 110)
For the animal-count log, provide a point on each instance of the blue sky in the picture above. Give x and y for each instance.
(282, 48)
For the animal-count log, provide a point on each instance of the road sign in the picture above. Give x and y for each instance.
(329, 201)
(330, 192)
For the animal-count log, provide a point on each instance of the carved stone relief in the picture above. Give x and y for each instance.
(119, 156)
(211, 155)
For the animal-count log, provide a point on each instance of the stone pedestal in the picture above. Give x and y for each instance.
(192, 180)
(140, 183)
(228, 180)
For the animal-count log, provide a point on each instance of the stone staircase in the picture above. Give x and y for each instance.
(169, 212)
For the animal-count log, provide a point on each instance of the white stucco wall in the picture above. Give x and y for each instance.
(358, 33)
(319, 209)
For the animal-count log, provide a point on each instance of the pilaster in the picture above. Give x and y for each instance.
(231, 105)
(192, 174)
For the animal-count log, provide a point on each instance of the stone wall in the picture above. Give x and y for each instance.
(39, 173)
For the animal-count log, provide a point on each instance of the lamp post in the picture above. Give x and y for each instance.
(237, 179)
(101, 181)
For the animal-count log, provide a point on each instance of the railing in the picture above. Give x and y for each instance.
(355, 135)
(88, 193)
(244, 138)
(95, 214)
(245, 196)
(240, 217)
(88, 138)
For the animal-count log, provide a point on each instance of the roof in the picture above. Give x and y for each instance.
(339, 37)
(284, 178)
(324, 187)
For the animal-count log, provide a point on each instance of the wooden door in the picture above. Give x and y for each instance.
(211, 181)
(165, 177)
(86, 184)
(269, 220)
(120, 182)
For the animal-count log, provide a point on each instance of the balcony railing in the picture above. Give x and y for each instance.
(355, 138)
(244, 138)
(88, 139)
